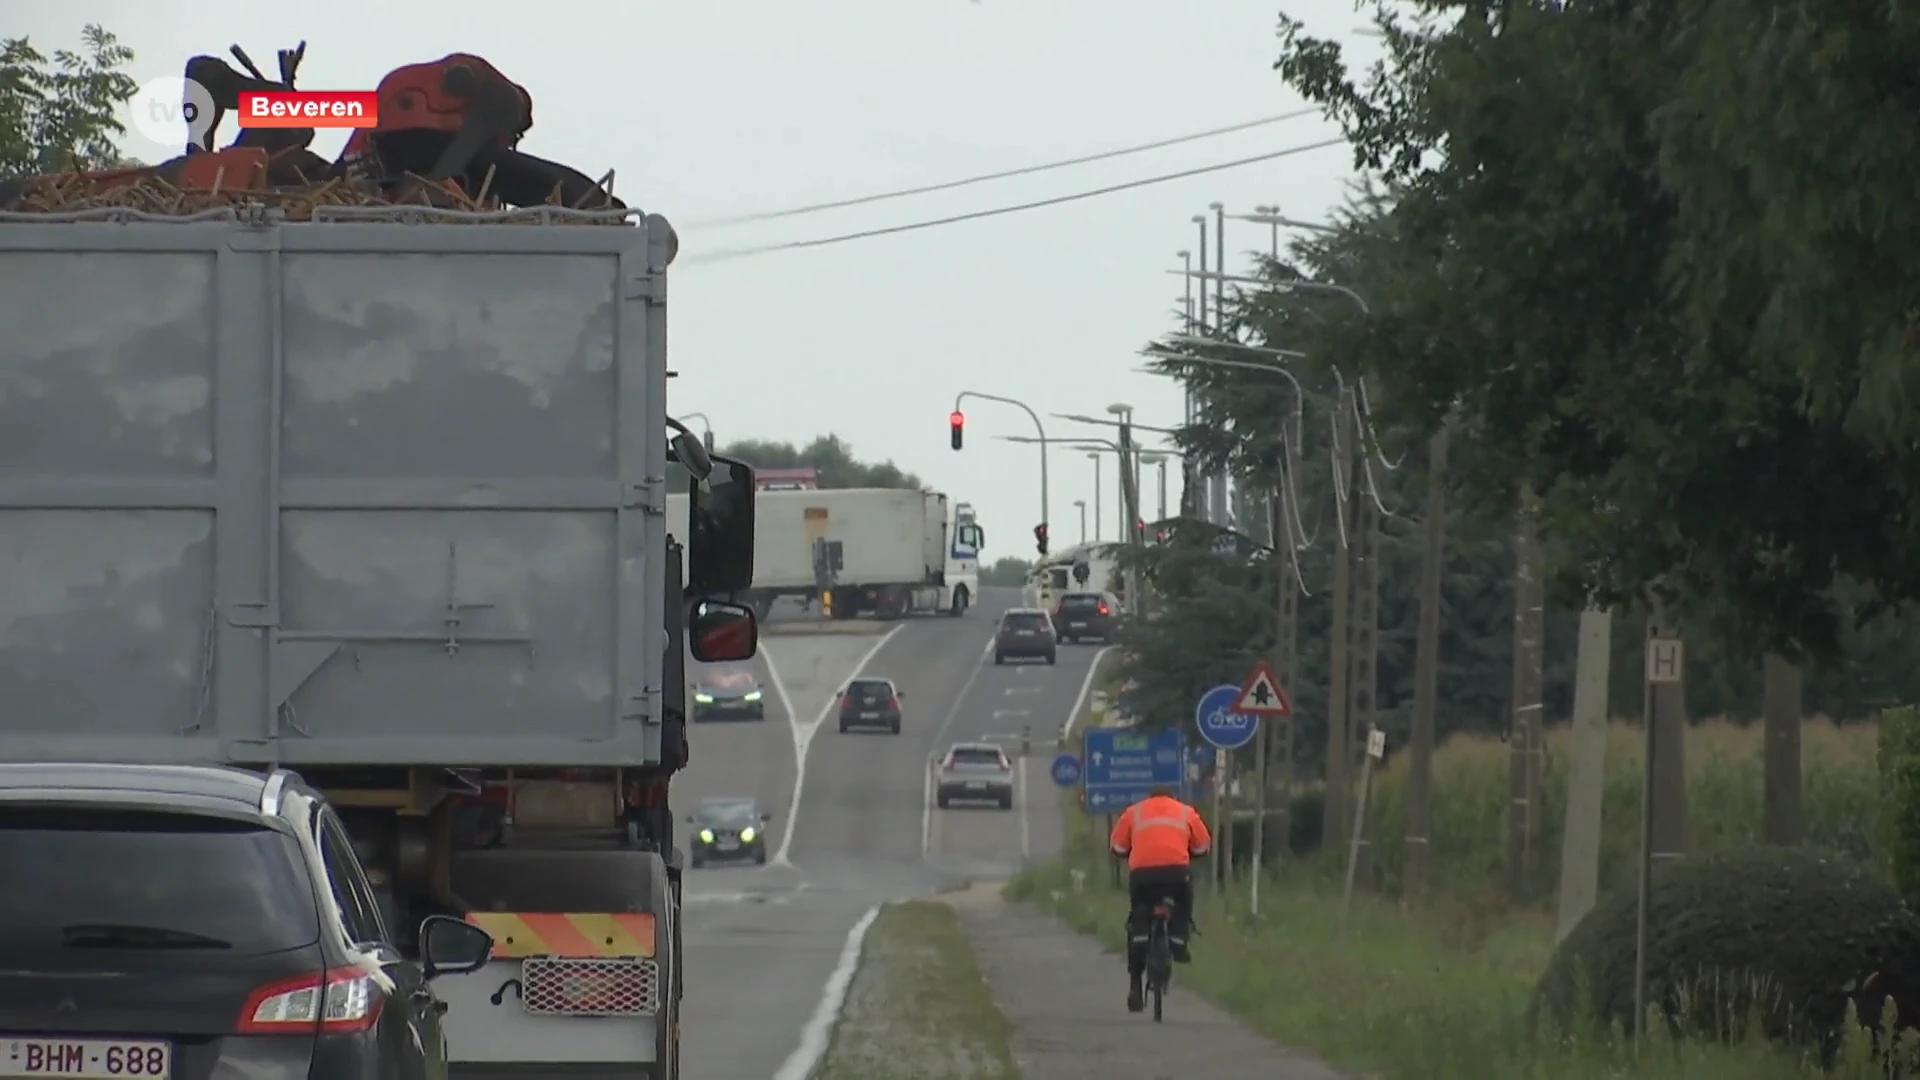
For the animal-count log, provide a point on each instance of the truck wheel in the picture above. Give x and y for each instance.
(960, 599)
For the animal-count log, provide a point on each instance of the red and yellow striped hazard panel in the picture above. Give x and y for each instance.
(517, 935)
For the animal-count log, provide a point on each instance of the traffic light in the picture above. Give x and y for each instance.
(958, 423)
(1039, 531)
(1139, 530)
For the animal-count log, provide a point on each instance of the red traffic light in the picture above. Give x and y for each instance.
(957, 421)
(1040, 537)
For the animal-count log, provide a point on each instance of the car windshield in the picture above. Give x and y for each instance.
(145, 880)
(1081, 602)
(1025, 620)
(729, 814)
(976, 756)
(728, 679)
(871, 691)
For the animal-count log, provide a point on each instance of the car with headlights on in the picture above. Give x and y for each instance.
(729, 829)
(729, 694)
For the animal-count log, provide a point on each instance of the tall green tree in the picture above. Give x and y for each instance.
(1559, 170)
(62, 111)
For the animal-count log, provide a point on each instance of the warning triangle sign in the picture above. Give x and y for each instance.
(1261, 695)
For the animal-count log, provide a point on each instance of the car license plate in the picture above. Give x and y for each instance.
(105, 1058)
(869, 716)
(976, 785)
(729, 845)
(1076, 626)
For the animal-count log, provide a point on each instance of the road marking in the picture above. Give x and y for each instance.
(813, 1038)
(939, 736)
(1004, 713)
(803, 734)
(1086, 687)
(1013, 691)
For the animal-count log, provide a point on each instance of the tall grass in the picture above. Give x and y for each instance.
(1470, 803)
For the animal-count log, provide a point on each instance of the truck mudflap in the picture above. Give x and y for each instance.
(584, 965)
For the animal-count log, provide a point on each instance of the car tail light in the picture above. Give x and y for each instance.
(1103, 609)
(335, 1001)
(893, 703)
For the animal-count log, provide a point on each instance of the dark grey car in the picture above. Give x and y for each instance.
(729, 830)
(1086, 616)
(1025, 634)
(870, 703)
(167, 925)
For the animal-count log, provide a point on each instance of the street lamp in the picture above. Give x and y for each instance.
(706, 426)
(1156, 458)
(1095, 458)
(1041, 530)
(1081, 505)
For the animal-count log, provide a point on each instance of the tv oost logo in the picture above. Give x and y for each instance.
(171, 112)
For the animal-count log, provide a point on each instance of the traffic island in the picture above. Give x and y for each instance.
(918, 1007)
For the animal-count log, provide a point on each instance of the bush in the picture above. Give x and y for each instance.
(1788, 937)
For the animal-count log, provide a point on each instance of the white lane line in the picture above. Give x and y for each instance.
(939, 736)
(813, 1038)
(1000, 713)
(1013, 691)
(803, 734)
(1086, 687)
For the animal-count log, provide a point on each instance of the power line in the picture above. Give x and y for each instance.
(736, 253)
(984, 177)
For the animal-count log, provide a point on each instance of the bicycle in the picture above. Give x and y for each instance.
(1159, 954)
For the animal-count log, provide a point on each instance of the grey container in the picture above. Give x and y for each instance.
(358, 491)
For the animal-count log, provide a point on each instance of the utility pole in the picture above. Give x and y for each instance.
(1587, 773)
(1426, 669)
(1286, 638)
(1781, 821)
(1364, 656)
(1333, 817)
(1524, 730)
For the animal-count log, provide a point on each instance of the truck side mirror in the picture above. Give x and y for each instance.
(720, 512)
(719, 632)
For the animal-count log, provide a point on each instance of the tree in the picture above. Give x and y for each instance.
(1551, 290)
(1007, 572)
(63, 112)
(829, 454)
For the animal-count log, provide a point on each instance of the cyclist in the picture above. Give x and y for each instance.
(1159, 836)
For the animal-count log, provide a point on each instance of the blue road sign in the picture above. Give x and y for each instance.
(1123, 765)
(1066, 770)
(1219, 724)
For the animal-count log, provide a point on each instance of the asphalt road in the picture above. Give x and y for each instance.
(855, 826)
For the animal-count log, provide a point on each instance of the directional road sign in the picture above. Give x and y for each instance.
(1123, 765)
(1262, 695)
(1219, 723)
(1066, 770)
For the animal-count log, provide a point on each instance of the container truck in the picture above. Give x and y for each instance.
(881, 551)
(381, 499)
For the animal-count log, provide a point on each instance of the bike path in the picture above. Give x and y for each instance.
(1066, 999)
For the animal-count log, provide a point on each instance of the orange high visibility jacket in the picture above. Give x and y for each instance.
(1159, 831)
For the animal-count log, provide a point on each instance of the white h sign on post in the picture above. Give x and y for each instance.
(1666, 659)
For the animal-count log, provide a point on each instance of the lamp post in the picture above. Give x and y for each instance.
(1156, 458)
(706, 427)
(1095, 458)
(1081, 505)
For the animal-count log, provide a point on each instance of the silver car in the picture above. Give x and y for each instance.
(975, 772)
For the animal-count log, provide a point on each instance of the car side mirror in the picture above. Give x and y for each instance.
(719, 632)
(450, 946)
(720, 524)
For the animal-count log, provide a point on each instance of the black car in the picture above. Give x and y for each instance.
(870, 703)
(166, 923)
(1081, 616)
(729, 830)
(729, 694)
(1025, 634)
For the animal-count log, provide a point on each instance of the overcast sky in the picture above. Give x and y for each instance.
(709, 109)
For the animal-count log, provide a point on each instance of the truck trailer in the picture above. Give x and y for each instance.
(878, 551)
(381, 499)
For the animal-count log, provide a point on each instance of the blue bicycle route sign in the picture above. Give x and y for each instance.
(1217, 721)
(1066, 770)
(1122, 765)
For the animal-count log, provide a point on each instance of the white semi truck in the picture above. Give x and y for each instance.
(383, 500)
(877, 551)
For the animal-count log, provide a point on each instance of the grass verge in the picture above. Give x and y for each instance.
(919, 1008)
